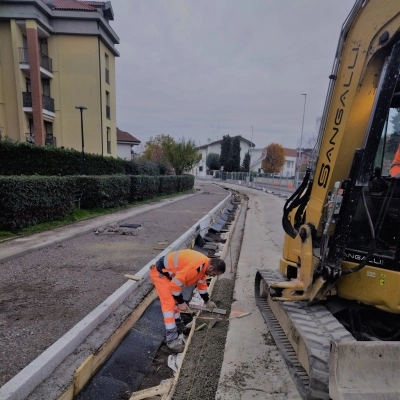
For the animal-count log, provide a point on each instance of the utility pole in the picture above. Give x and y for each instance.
(81, 108)
(251, 146)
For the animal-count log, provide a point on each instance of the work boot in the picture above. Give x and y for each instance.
(177, 345)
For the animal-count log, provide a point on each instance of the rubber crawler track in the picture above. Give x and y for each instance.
(316, 326)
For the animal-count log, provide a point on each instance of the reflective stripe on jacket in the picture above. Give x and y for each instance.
(187, 267)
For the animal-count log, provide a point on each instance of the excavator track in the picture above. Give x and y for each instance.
(303, 334)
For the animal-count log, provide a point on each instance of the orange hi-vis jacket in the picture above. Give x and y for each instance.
(186, 267)
(395, 167)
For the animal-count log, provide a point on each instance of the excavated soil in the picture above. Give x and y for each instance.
(45, 293)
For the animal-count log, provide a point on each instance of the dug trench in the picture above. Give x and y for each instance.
(141, 360)
(200, 370)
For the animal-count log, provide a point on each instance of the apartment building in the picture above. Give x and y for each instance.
(56, 55)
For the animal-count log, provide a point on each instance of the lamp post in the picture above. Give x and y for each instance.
(251, 145)
(301, 139)
(81, 108)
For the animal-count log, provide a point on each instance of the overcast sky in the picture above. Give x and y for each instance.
(201, 69)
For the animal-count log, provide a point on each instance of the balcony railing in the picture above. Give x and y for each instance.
(107, 75)
(108, 112)
(51, 140)
(47, 102)
(45, 61)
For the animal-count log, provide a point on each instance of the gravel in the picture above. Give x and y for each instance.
(45, 293)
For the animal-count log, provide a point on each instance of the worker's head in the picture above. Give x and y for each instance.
(215, 267)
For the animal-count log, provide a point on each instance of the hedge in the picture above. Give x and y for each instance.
(103, 191)
(28, 200)
(20, 158)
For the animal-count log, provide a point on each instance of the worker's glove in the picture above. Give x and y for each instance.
(211, 305)
(183, 307)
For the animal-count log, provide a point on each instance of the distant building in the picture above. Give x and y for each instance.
(215, 147)
(125, 143)
(258, 155)
(56, 55)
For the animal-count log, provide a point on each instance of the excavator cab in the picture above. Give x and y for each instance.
(333, 307)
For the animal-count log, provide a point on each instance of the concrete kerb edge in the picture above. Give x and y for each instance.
(82, 230)
(22, 384)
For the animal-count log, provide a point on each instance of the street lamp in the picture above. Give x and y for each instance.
(83, 141)
(251, 145)
(301, 138)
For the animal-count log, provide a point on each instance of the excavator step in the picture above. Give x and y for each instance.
(303, 334)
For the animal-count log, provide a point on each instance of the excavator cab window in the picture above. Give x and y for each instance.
(381, 209)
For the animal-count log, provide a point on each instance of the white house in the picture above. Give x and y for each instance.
(125, 141)
(200, 170)
(257, 155)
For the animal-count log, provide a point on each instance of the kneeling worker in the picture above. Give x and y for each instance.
(169, 275)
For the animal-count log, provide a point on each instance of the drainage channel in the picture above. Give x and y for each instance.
(136, 357)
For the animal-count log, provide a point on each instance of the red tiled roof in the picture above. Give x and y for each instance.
(290, 152)
(126, 137)
(72, 5)
(93, 3)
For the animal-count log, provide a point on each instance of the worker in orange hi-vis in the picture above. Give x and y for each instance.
(172, 272)
(395, 167)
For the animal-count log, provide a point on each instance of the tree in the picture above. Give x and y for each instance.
(246, 163)
(394, 139)
(224, 158)
(182, 155)
(212, 161)
(155, 148)
(274, 160)
(234, 159)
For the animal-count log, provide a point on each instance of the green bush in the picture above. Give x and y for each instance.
(103, 191)
(185, 182)
(143, 187)
(28, 200)
(20, 158)
(168, 184)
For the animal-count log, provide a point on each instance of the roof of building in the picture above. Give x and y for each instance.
(204, 146)
(73, 5)
(126, 137)
(290, 152)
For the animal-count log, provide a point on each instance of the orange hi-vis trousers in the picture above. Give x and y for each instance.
(169, 305)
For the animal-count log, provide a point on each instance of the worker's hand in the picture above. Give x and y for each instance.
(183, 307)
(211, 305)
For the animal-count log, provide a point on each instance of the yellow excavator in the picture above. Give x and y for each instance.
(334, 308)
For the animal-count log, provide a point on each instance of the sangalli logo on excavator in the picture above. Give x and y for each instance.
(325, 167)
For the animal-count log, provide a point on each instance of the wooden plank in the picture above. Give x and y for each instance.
(133, 277)
(83, 374)
(204, 308)
(162, 388)
(68, 394)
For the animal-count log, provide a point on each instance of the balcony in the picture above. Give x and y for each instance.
(51, 140)
(107, 74)
(46, 63)
(47, 102)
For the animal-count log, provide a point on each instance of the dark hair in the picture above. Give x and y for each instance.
(218, 264)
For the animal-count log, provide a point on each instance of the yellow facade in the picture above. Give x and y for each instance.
(50, 65)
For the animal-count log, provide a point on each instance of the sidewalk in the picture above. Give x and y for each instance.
(253, 367)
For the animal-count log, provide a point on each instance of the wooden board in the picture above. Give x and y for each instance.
(204, 308)
(163, 388)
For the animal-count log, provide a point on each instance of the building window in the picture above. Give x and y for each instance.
(108, 109)
(28, 85)
(50, 139)
(107, 68)
(46, 87)
(108, 141)
(201, 168)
